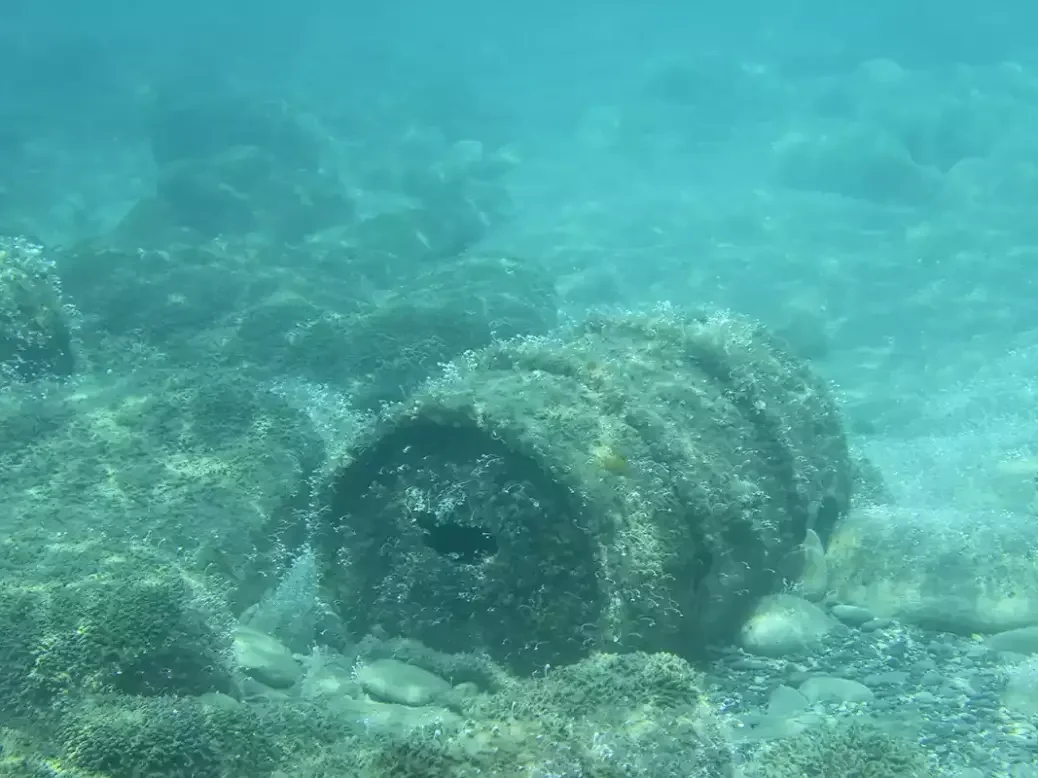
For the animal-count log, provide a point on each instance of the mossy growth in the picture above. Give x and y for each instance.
(20, 623)
(600, 683)
(853, 748)
(474, 750)
(502, 749)
(22, 756)
(212, 736)
(170, 737)
(16, 766)
(147, 633)
(635, 714)
(35, 322)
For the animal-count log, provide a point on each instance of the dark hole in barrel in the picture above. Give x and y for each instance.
(463, 544)
(441, 533)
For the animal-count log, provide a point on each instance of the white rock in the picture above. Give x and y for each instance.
(956, 571)
(786, 701)
(265, 658)
(853, 615)
(828, 689)
(390, 680)
(784, 625)
(1017, 641)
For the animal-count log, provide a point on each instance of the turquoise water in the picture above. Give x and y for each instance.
(260, 263)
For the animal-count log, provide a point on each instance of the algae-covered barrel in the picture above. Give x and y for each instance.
(635, 482)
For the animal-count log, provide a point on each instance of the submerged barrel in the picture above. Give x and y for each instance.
(635, 482)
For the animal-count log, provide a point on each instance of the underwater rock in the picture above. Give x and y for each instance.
(409, 238)
(378, 346)
(265, 658)
(854, 160)
(870, 486)
(813, 581)
(245, 190)
(705, 94)
(319, 312)
(1015, 485)
(838, 690)
(233, 301)
(229, 165)
(963, 571)
(454, 193)
(450, 309)
(186, 126)
(36, 324)
(1023, 640)
(127, 622)
(450, 213)
(784, 626)
(632, 483)
(159, 297)
(852, 614)
(196, 461)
